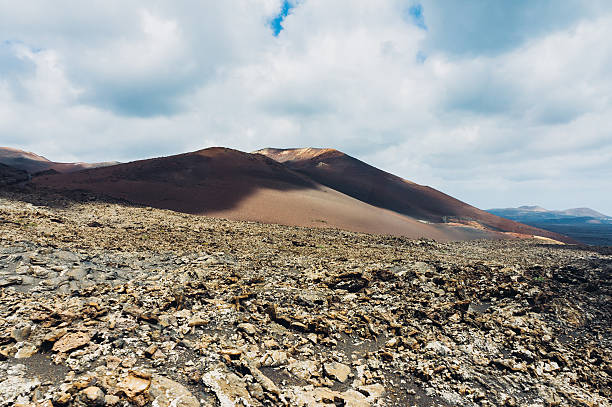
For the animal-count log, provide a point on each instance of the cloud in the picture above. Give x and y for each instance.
(140, 59)
(11, 64)
(494, 102)
(492, 27)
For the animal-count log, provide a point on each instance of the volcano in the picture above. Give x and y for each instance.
(231, 184)
(381, 189)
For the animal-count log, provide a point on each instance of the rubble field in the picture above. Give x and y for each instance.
(107, 304)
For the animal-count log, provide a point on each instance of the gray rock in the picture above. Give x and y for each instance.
(77, 273)
(22, 333)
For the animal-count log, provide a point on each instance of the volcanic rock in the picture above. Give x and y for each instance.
(345, 319)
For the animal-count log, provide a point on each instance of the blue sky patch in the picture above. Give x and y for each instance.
(276, 23)
(10, 63)
(415, 12)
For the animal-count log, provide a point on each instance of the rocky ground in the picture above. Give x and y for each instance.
(103, 304)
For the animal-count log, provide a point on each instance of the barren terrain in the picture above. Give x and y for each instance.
(107, 304)
(227, 183)
(381, 189)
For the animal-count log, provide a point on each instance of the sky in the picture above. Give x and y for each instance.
(497, 103)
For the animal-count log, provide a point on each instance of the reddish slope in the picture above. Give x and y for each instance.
(235, 185)
(381, 189)
(33, 163)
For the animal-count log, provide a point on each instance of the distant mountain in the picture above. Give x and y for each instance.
(583, 224)
(34, 163)
(584, 212)
(538, 213)
(362, 181)
(533, 208)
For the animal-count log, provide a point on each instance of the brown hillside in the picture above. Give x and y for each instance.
(227, 183)
(384, 190)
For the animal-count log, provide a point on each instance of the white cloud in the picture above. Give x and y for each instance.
(125, 80)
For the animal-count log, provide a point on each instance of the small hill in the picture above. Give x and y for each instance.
(34, 163)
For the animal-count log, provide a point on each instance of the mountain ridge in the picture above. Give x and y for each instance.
(379, 188)
(583, 224)
(231, 184)
(534, 209)
(310, 187)
(34, 163)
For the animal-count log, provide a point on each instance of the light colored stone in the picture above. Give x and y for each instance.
(94, 395)
(337, 371)
(15, 386)
(111, 400)
(25, 351)
(168, 393)
(134, 384)
(229, 389)
(353, 398)
(54, 335)
(274, 358)
(264, 380)
(373, 391)
(304, 369)
(439, 348)
(71, 341)
(392, 343)
(247, 328)
(324, 397)
(150, 351)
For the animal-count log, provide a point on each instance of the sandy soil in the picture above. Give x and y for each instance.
(327, 208)
(384, 190)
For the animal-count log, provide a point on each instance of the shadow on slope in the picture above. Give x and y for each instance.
(230, 184)
(10, 175)
(203, 181)
(384, 190)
